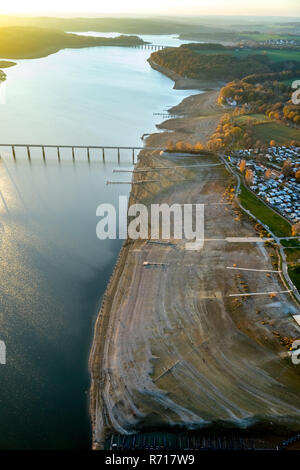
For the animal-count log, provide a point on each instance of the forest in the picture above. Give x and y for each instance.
(216, 62)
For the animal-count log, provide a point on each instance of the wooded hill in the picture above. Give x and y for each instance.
(216, 62)
(17, 42)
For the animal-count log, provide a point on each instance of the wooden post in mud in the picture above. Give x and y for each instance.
(133, 156)
(118, 155)
(44, 156)
(73, 154)
(13, 152)
(103, 154)
(88, 154)
(58, 153)
(28, 153)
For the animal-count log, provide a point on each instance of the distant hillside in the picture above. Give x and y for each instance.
(17, 42)
(205, 33)
(220, 29)
(121, 25)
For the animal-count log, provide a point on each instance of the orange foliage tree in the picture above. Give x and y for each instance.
(242, 166)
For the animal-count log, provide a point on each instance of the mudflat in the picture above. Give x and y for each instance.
(171, 346)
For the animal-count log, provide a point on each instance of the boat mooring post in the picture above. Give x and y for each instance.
(44, 155)
(13, 152)
(28, 153)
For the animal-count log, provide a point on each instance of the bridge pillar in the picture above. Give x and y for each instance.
(28, 153)
(13, 152)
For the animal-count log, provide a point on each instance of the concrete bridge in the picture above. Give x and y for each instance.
(88, 148)
(152, 47)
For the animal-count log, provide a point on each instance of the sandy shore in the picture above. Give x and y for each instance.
(171, 348)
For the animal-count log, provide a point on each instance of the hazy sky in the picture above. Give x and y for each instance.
(188, 7)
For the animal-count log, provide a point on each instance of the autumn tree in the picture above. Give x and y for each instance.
(287, 169)
(249, 176)
(296, 229)
(180, 146)
(198, 147)
(268, 174)
(242, 166)
(170, 146)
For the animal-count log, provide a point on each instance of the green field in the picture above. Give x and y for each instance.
(266, 129)
(279, 132)
(293, 259)
(277, 224)
(269, 36)
(282, 55)
(257, 118)
(291, 243)
(273, 55)
(294, 273)
(290, 81)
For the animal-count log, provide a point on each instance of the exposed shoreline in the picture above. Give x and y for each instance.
(137, 331)
(182, 83)
(101, 325)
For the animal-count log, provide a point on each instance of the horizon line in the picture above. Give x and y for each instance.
(145, 15)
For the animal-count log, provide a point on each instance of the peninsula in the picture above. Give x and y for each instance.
(22, 42)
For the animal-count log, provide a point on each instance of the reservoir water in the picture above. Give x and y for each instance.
(54, 270)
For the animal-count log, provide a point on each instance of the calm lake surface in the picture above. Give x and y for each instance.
(53, 268)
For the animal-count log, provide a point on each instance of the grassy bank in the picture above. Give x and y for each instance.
(293, 260)
(277, 224)
(294, 273)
